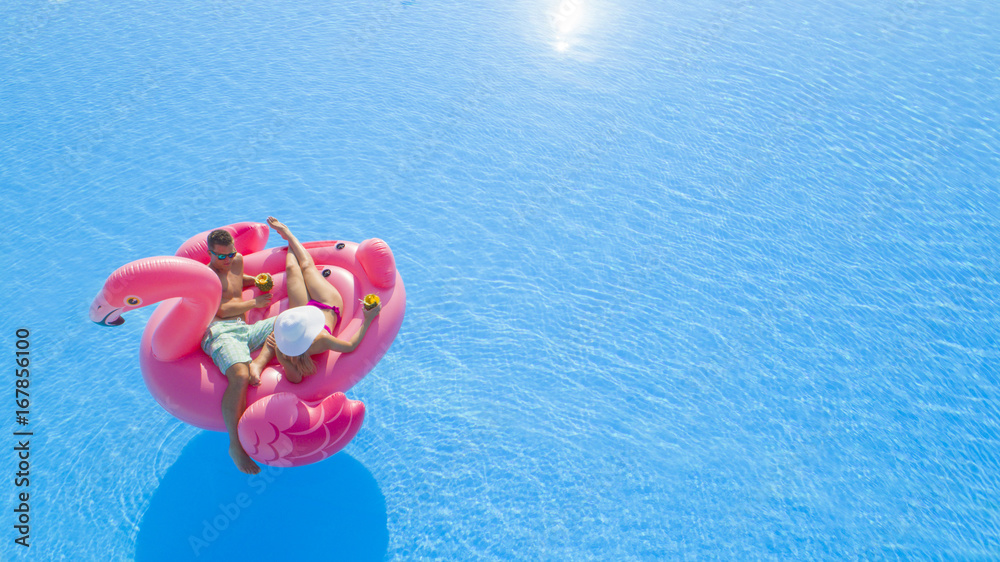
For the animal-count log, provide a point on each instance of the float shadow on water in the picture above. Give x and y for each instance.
(204, 509)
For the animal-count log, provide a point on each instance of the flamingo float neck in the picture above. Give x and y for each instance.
(151, 280)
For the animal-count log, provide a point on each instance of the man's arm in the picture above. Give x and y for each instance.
(237, 307)
(248, 281)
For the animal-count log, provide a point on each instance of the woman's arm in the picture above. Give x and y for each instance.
(334, 344)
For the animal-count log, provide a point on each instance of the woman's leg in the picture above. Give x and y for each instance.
(316, 285)
(298, 294)
(294, 246)
(320, 289)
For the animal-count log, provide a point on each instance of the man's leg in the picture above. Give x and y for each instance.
(257, 337)
(234, 402)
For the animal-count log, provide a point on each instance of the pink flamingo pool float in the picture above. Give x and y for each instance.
(284, 424)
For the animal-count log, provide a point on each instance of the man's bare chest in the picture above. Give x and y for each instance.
(232, 286)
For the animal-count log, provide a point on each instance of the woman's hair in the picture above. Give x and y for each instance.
(219, 238)
(303, 363)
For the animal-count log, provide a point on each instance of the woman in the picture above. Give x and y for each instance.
(306, 328)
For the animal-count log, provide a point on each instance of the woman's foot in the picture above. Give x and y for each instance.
(260, 362)
(294, 246)
(255, 372)
(279, 227)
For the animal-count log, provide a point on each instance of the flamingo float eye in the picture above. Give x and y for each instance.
(133, 301)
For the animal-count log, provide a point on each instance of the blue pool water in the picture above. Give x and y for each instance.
(710, 281)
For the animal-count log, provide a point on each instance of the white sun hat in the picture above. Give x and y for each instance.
(296, 328)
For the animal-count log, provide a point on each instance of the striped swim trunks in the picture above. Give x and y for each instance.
(229, 342)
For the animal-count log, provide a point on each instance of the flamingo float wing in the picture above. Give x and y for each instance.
(283, 428)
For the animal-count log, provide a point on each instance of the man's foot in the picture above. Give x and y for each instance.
(279, 227)
(242, 459)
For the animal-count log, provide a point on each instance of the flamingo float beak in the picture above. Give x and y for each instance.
(104, 314)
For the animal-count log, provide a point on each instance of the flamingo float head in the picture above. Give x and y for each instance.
(119, 295)
(151, 280)
(105, 314)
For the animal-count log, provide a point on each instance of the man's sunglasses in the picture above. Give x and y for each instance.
(223, 256)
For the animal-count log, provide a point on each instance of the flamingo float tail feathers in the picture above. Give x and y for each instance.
(284, 430)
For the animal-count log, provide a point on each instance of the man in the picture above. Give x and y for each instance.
(229, 339)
